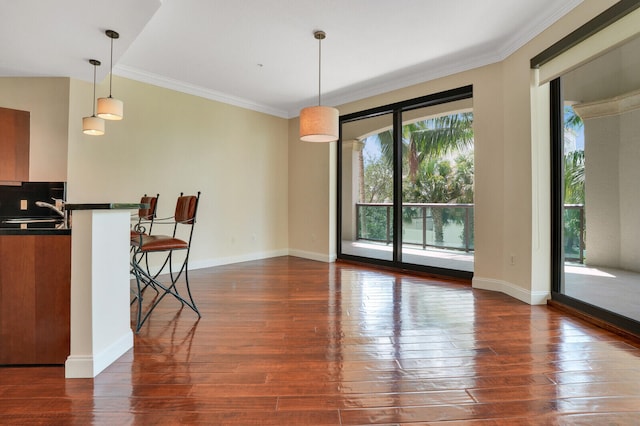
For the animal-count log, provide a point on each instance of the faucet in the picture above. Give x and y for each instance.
(51, 207)
(59, 209)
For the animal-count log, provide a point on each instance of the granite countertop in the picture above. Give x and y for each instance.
(35, 231)
(105, 206)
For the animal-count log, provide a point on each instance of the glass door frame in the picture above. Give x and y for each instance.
(460, 93)
(556, 108)
(598, 23)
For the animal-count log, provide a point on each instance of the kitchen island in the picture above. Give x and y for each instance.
(64, 296)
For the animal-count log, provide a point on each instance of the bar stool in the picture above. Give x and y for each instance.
(144, 220)
(143, 243)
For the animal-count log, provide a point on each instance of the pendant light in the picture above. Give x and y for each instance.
(93, 125)
(110, 108)
(319, 123)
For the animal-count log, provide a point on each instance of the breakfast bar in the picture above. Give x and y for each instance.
(100, 313)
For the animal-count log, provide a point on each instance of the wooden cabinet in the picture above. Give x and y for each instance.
(35, 291)
(14, 145)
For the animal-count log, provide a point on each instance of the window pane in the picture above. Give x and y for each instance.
(367, 188)
(437, 187)
(601, 207)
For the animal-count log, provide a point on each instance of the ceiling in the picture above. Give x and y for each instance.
(261, 54)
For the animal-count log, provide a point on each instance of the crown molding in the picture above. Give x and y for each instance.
(179, 86)
(616, 105)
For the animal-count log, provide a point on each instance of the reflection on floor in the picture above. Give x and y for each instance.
(431, 256)
(613, 289)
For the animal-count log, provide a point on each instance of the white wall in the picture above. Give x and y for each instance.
(629, 199)
(171, 142)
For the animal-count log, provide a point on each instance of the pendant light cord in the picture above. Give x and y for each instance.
(93, 100)
(319, 70)
(111, 68)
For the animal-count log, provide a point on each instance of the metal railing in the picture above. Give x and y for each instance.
(450, 226)
(574, 232)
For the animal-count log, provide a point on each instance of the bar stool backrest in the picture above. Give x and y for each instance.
(150, 212)
(186, 208)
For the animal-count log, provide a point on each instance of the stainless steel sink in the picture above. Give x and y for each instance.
(36, 222)
(31, 220)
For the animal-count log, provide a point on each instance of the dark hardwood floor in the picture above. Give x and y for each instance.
(288, 341)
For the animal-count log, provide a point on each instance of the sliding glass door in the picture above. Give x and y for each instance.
(406, 184)
(367, 188)
(437, 187)
(597, 158)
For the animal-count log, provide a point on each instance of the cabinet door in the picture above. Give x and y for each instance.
(35, 289)
(14, 145)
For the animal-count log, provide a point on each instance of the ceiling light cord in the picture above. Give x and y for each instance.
(319, 68)
(93, 99)
(111, 68)
(319, 35)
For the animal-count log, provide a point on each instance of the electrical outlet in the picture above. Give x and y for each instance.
(512, 259)
(23, 204)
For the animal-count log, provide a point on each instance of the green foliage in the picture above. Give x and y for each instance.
(373, 223)
(574, 189)
(573, 194)
(378, 182)
(437, 181)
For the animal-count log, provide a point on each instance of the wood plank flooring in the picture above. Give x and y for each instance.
(288, 341)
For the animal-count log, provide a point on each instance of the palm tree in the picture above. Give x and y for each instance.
(439, 182)
(437, 137)
(573, 162)
(574, 177)
(431, 138)
(574, 188)
(428, 178)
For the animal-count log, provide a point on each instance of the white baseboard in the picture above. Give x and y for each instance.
(209, 263)
(78, 367)
(89, 366)
(524, 295)
(320, 257)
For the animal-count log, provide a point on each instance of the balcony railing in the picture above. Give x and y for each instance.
(450, 226)
(447, 226)
(574, 232)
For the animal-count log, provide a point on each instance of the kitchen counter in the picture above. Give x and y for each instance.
(105, 206)
(44, 269)
(34, 231)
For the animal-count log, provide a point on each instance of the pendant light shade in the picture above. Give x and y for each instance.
(111, 108)
(319, 123)
(93, 125)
